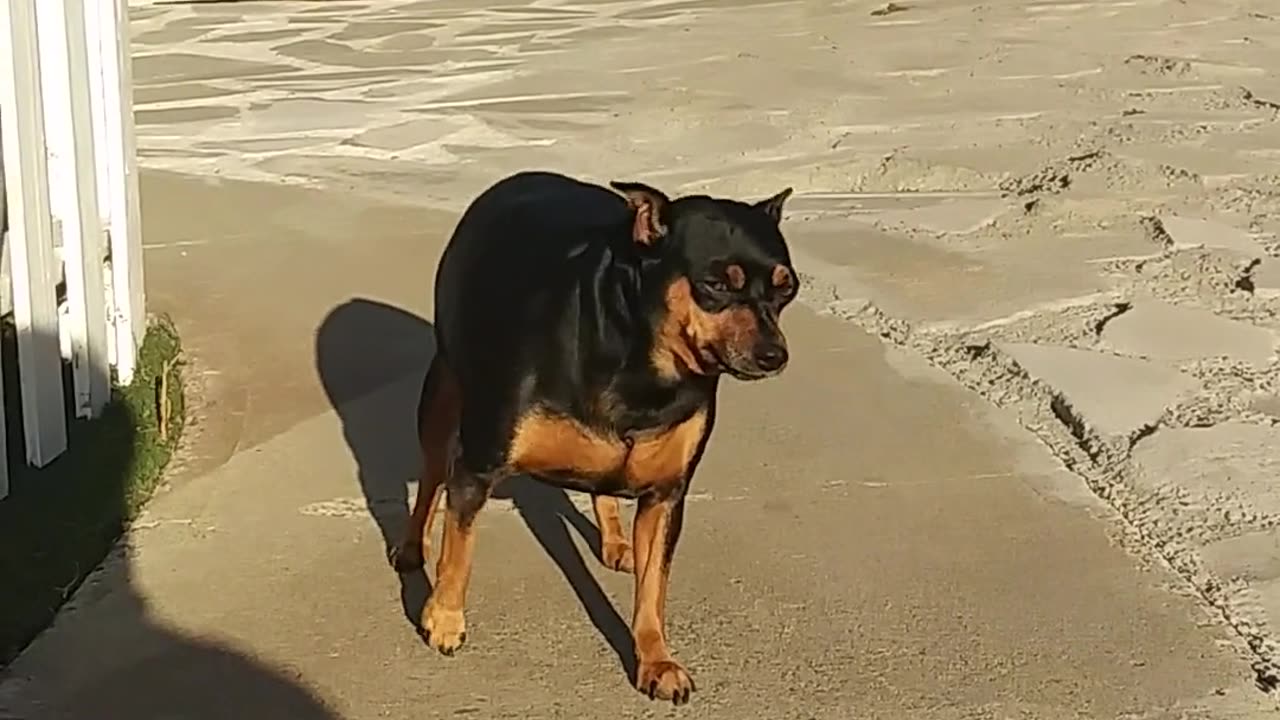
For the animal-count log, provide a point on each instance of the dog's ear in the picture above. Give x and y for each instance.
(773, 205)
(650, 206)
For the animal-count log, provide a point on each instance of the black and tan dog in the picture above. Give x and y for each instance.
(581, 335)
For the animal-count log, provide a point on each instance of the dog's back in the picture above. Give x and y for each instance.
(522, 227)
(516, 245)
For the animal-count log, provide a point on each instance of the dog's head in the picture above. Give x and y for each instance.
(726, 276)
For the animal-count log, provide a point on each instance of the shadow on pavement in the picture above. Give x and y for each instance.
(105, 656)
(142, 671)
(549, 514)
(363, 345)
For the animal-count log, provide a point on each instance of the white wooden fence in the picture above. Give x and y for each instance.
(70, 185)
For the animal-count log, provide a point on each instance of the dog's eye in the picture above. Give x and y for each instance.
(715, 286)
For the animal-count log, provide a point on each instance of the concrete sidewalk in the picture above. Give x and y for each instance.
(1071, 209)
(867, 539)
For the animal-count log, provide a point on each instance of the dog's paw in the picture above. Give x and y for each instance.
(618, 556)
(446, 630)
(407, 556)
(665, 680)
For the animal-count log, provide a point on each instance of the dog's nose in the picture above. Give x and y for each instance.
(771, 357)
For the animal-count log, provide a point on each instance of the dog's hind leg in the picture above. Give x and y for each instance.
(615, 549)
(443, 618)
(439, 411)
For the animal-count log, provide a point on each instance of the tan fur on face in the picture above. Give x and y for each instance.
(736, 276)
(687, 331)
(782, 277)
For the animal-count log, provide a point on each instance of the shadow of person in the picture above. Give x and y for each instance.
(364, 345)
(105, 657)
(108, 660)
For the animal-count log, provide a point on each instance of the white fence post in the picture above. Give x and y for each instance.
(69, 165)
(73, 195)
(30, 234)
(5, 26)
(107, 28)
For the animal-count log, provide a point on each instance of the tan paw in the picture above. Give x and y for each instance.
(617, 555)
(664, 680)
(446, 630)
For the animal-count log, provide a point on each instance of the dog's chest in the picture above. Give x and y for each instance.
(555, 446)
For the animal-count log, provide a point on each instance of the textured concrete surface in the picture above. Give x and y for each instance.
(1021, 465)
(1177, 333)
(865, 575)
(1120, 395)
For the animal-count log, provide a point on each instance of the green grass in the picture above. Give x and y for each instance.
(60, 521)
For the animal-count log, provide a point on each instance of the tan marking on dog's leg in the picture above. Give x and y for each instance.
(656, 531)
(615, 550)
(444, 619)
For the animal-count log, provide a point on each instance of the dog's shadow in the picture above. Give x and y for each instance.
(362, 346)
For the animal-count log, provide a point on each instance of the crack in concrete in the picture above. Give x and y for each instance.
(1118, 309)
(1246, 281)
(1247, 95)
(1155, 231)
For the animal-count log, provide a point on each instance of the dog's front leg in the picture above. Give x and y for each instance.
(655, 534)
(615, 551)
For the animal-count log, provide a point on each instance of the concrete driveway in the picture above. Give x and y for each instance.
(1019, 467)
